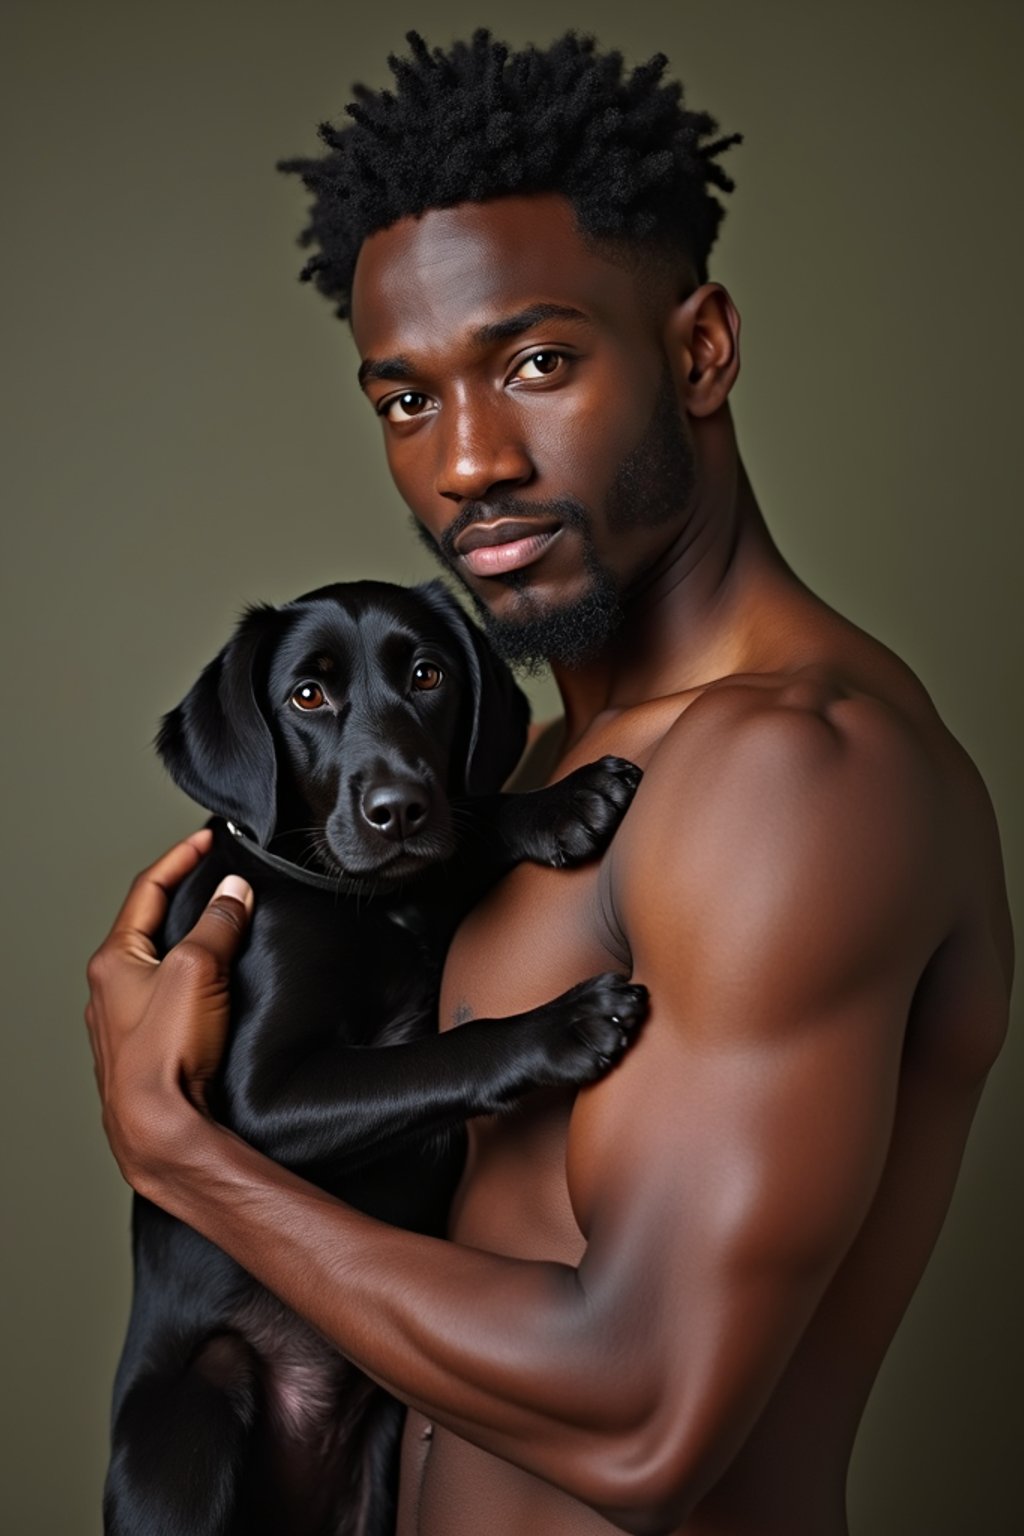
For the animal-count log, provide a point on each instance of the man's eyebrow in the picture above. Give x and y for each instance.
(395, 369)
(389, 368)
(524, 320)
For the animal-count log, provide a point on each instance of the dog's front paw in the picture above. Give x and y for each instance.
(583, 810)
(588, 1028)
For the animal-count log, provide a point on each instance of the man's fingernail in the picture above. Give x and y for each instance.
(234, 885)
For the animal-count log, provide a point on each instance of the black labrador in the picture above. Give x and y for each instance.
(352, 746)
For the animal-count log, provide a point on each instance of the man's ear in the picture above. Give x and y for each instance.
(217, 745)
(500, 710)
(702, 340)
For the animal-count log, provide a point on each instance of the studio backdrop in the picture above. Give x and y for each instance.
(184, 434)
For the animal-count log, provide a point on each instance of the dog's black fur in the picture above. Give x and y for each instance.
(231, 1416)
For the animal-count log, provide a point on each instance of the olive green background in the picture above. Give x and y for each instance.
(183, 434)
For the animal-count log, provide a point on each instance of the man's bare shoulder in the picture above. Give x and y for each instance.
(820, 735)
(796, 814)
(810, 734)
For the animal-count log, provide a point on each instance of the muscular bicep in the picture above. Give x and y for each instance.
(722, 1171)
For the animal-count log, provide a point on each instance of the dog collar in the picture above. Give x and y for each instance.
(338, 885)
(409, 916)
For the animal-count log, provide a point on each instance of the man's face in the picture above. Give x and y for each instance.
(530, 416)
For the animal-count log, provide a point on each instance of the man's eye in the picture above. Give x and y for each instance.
(539, 365)
(309, 696)
(426, 676)
(405, 407)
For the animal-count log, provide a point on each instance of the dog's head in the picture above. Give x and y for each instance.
(338, 726)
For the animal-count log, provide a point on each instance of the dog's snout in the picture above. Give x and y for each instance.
(397, 810)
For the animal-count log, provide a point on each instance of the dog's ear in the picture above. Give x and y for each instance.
(217, 745)
(500, 710)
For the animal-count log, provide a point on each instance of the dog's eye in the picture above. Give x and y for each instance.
(426, 676)
(309, 696)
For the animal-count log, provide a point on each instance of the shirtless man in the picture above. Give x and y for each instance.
(665, 1300)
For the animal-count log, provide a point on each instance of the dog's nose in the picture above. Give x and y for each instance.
(396, 810)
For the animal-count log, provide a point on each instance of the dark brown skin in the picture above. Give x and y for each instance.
(665, 1300)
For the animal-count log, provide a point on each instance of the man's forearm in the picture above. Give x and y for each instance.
(510, 1354)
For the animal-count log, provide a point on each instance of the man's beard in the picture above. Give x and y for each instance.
(652, 484)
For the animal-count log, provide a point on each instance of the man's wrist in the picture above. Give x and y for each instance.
(168, 1138)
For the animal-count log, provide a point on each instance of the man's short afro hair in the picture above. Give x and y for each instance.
(481, 121)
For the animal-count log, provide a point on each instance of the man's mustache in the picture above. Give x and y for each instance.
(564, 509)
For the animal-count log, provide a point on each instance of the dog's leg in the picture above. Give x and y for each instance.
(333, 1108)
(565, 824)
(180, 1441)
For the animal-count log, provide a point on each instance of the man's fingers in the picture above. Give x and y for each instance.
(219, 930)
(145, 906)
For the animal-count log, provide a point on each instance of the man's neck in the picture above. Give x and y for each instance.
(700, 613)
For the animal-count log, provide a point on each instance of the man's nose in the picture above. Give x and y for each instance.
(482, 453)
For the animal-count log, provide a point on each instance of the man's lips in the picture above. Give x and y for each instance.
(490, 549)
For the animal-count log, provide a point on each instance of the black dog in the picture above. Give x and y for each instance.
(364, 731)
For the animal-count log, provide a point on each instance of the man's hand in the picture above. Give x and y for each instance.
(157, 1027)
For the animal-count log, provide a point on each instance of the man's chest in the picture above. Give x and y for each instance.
(535, 935)
(540, 931)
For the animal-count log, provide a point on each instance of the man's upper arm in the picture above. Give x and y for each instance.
(771, 882)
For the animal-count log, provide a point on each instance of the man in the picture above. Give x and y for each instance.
(665, 1301)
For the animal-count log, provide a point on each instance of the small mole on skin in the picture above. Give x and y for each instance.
(461, 1014)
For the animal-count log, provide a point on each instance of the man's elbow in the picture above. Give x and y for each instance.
(648, 1512)
(647, 1492)
(647, 1519)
